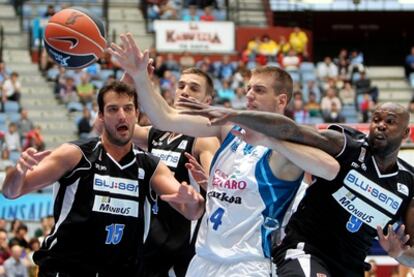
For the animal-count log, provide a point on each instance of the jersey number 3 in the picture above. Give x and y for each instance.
(215, 218)
(114, 233)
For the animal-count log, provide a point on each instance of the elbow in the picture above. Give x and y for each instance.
(9, 195)
(332, 171)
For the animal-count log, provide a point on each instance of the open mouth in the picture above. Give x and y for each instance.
(122, 128)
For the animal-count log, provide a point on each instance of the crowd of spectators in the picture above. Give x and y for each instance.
(17, 130)
(17, 247)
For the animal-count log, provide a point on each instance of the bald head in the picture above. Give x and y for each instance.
(397, 109)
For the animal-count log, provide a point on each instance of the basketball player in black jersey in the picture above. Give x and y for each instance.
(102, 192)
(171, 238)
(335, 223)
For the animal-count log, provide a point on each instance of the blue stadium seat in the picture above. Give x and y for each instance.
(295, 76)
(14, 156)
(74, 107)
(105, 73)
(307, 76)
(307, 67)
(27, 11)
(14, 117)
(3, 118)
(11, 107)
(98, 83)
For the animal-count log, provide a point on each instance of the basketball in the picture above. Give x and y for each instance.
(74, 38)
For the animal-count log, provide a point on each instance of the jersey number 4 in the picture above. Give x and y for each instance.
(215, 218)
(114, 233)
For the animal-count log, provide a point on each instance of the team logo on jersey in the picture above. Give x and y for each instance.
(359, 210)
(183, 144)
(402, 189)
(170, 158)
(110, 205)
(115, 185)
(100, 167)
(377, 194)
(223, 196)
(141, 173)
(222, 180)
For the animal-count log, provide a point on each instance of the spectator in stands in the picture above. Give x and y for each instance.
(313, 106)
(343, 70)
(50, 11)
(15, 265)
(47, 223)
(5, 161)
(171, 64)
(252, 49)
(240, 100)
(60, 80)
(409, 63)
(334, 115)
(326, 104)
(168, 10)
(208, 14)
(268, 48)
(192, 14)
(35, 139)
(226, 68)
(159, 66)
(300, 114)
(225, 92)
(3, 72)
(12, 138)
(68, 91)
(111, 78)
(20, 236)
(284, 47)
(291, 61)
(4, 248)
(86, 90)
(311, 87)
(347, 94)
(85, 124)
(366, 106)
(326, 69)
(34, 245)
(362, 86)
(25, 124)
(356, 63)
(206, 65)
(186, 60)
(11, 88)
(298, 39)
(93, 70)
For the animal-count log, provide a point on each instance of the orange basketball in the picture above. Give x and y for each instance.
(74, 38)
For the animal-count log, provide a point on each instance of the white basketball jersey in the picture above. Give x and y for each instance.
(242, 195)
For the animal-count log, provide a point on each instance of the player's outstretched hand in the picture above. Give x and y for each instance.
(216, 115)
(394, 243)
(129, 55)
(186, 195)
(30, 158)
(197, 171)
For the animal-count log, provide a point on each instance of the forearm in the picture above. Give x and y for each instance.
(270, 124)
(306, 158)
(152, 103)
(192, 211)
(13, 184)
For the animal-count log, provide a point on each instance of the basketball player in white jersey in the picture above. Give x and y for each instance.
(250, 186)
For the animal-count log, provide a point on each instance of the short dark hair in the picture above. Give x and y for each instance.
(282, 80)
(206, 76)
(119, 88)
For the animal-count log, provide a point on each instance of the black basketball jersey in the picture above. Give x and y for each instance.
(167, 225)
(337, 219)
(101, 213)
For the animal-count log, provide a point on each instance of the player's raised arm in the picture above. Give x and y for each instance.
(162, 116)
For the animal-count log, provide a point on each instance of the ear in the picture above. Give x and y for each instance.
(282, 101)
(406, 133)
(208, 100)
